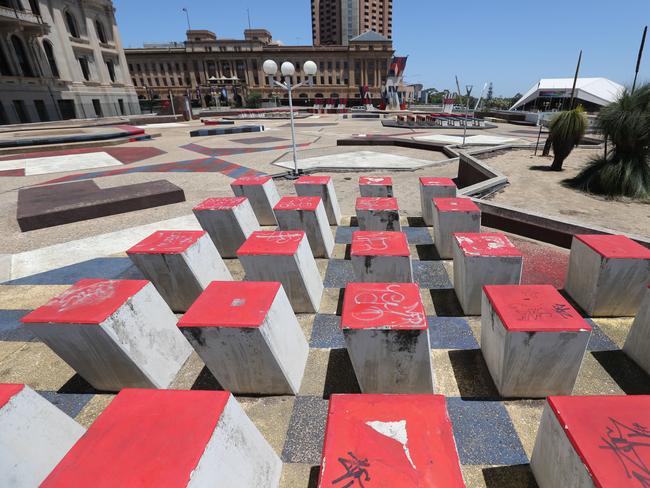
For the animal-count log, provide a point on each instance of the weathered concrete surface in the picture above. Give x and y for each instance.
(375, 186)
(377, 213)
(431, 188)
(321, 186)
(307, 214)
(381, 257)
(452, 215)
(637, 343)
(262, 194)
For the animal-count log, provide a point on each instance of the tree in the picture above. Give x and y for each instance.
(254, 100)
(565, 131)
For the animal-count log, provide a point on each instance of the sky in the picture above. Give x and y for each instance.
(511, 43)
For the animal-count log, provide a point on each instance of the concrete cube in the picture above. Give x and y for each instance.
(607, 274)
(180, 264)
(34, 436)
(379, 214)
(381, 257)
(637, 343)
(483, 259)
(399, 440)
(451, 215)
(115, 333)
(592, 441)
(307, 214)
(261, 193)
(171, 439)
(431, 188)
(387, 337)
(321, 186)
(228, 221)
(284, 256)
(532, 340)
(376, 186)
(248, 337)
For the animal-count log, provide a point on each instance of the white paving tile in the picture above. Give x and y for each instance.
(168, 125)
(69, 162)
(359, 159)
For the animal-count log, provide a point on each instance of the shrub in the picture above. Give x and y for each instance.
(565, 131)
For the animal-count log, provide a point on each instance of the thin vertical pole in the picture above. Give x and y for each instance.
(638, 59)
(293, 130)
(575, 80)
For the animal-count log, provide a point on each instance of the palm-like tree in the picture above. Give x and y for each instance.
(565, 131)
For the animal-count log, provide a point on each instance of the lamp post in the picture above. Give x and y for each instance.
(469, 91)
(287, 69)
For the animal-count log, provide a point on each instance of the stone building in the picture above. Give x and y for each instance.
(62, 59)
(336, 22)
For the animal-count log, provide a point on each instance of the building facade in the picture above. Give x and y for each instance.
(208, 68)
(62, 59)
(336, 22)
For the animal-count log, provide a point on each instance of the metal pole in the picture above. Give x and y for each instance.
(539, 135)
(638, 59)
(469, 91)
(575, 80)
(293, 130)
(187, 15)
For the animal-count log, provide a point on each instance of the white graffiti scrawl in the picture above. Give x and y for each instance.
(390, 305)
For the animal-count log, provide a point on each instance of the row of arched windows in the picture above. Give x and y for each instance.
(73, 30)
(23, 59)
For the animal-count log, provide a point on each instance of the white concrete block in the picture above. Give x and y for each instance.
(115, 333)
(387, 337)
(607, 274)
(34, 436)
(228, 221)
(380, 214)
(637, 343)
(381, 257)
(451, 215)
(321, 186)
(307, 214)
(431, 188)
(262, 194)
(248, 337)
(170, 439)
(376, 186)
(180, 264)
(284, 256)
(532, 340)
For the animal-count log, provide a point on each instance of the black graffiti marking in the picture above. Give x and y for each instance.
(563, 310)
(627, 442)
(355, 470)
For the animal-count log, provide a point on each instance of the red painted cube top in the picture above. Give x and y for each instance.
(276, 242)
(486, 244)
(313, 180)
(455, 205)
(610, 434)
(390, 441)
(220, 203)
(251, 180)
(376, 180)
(143, 438)
(614, 246)
(377, 203)
(8, 391)
(89, 301)
(167, 242)
(231, 304)
(431, 181)
(534, 308)
(298, 203)
(396, 306)
(379, 243)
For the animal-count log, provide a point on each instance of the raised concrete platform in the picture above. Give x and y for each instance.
(34, 436)
(376, 186)
(48, 136)
(30, 166)
(431, 188)
(115, 333)
(320, 186)
(284, 256)
(452, 215)
(170, 439)
(379, 214)
(478, 140)
(180, 264)
(359, 160)
(228, 221)
(532, 340)
(387, 337)
(220, 131)
(390, 441)
(607, 274)
(248, 337)
(586, 441)
(307, 214)
(637, 343)
(381, 257)
(483, 259)
(262, 195)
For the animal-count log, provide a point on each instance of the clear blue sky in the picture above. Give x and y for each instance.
(512, 43)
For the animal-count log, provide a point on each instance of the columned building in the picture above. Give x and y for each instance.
(336, 22)
(62, 59)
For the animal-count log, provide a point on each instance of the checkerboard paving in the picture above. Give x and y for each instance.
(494, 436)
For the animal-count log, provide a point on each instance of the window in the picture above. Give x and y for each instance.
(134, 81)
(71, 23)
(138, 67)
(67, 109)
(111, 70)
(101, 34)
(36, 8)
(120, 102)
(41, 110)
(49, 54)
(85, 69)
(180, 81)
(97, 105)
(21, 111)
(157, 81)
(21, 54)
(5, 68)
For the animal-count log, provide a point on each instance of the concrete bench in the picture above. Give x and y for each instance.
(34, 436)
(321, 186)
(586, 441)
(180, 264)
(376, 186)
(381, 257)
(220, 131)
(451, 215)
(532, 340)
(607, 274)
(389, 441)
(431, 188)
(248, 337)
(377, 213)
(170, 439)
(483, 259)
(115, 333)
(637, 343)
(262, 195)
(387, 337)
(284, 256)
(307, 214)
(228, 221)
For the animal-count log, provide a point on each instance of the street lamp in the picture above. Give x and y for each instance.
(287, 69)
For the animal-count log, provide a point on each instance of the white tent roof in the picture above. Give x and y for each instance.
(600, 91)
